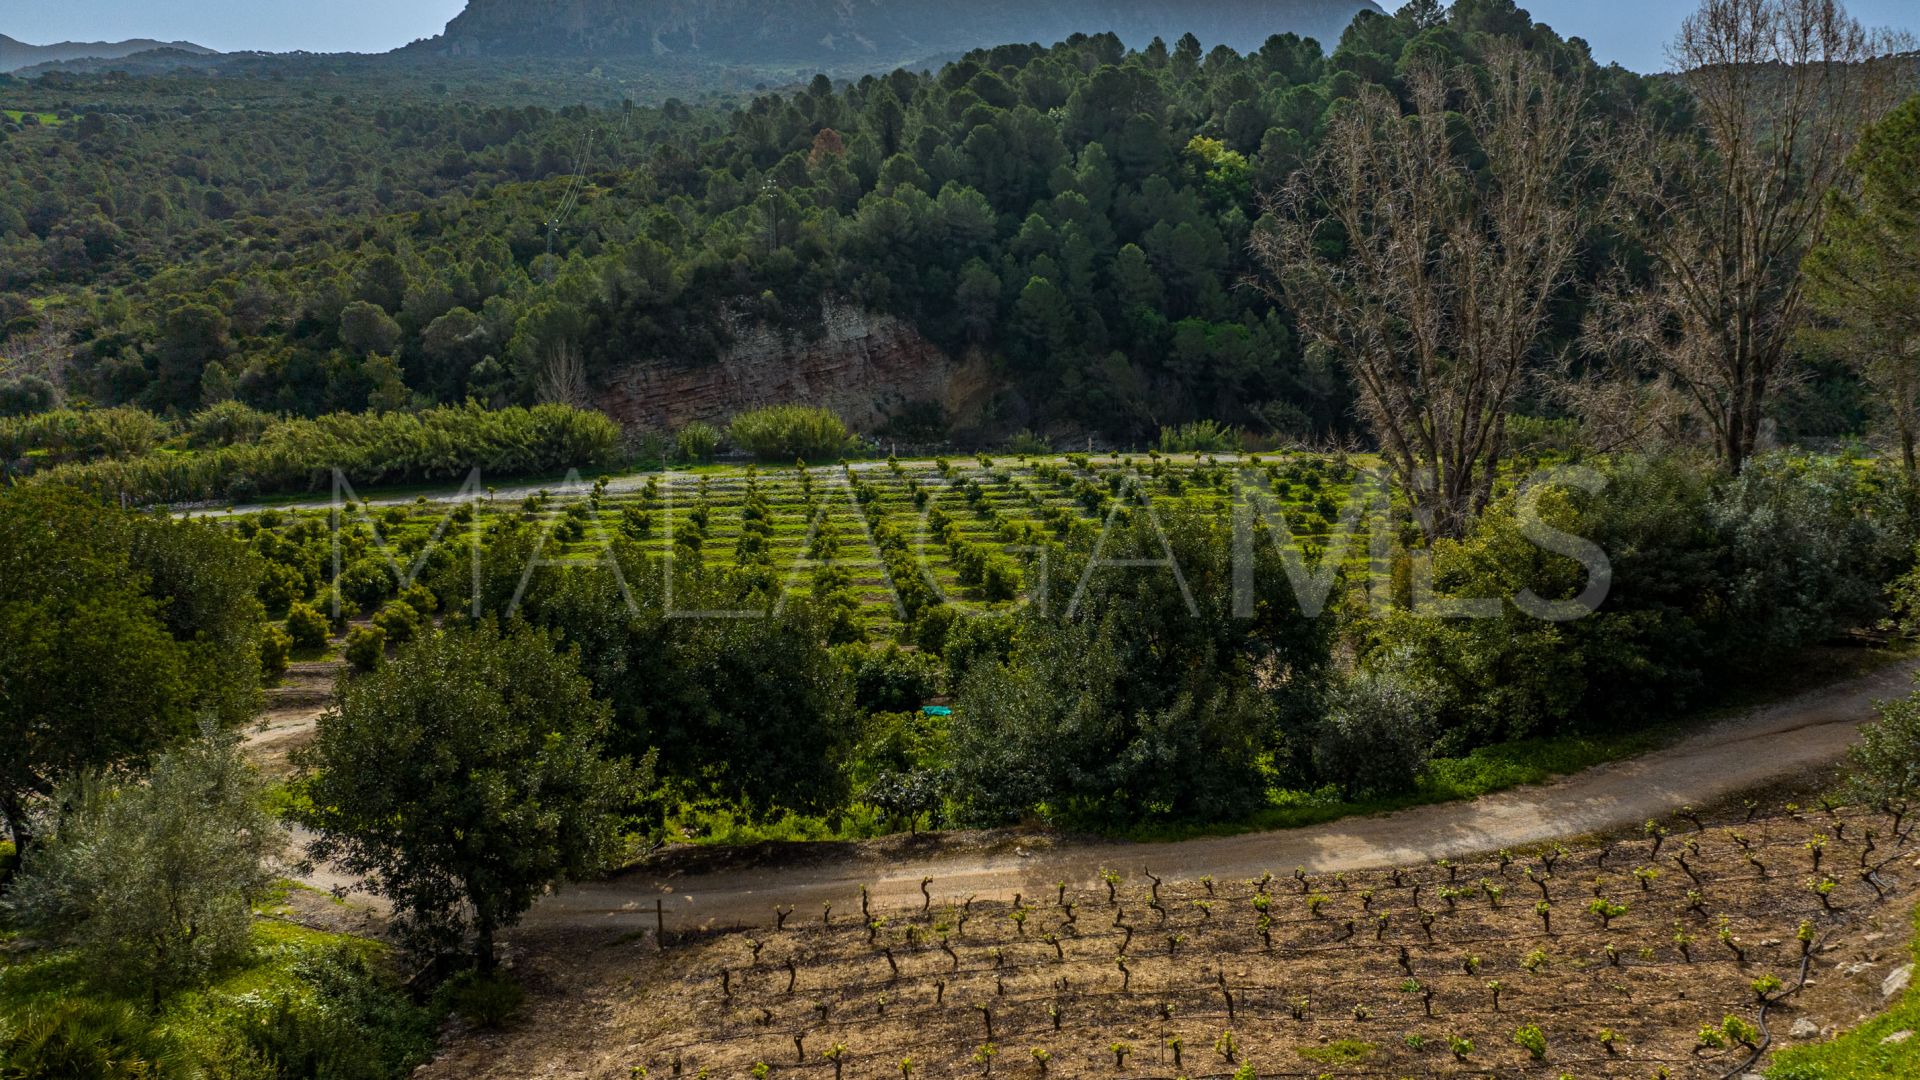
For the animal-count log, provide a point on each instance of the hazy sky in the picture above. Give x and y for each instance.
(1633, 32)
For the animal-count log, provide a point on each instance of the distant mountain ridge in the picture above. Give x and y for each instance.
(877, 33)
(15, 55)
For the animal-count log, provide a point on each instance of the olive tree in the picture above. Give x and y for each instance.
(1377, 733)
(1884, 766)
(155, 880)
(463, 778)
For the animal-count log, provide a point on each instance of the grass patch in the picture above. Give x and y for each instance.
(1338, 1052)
(1860, 1054)
(312, 1003)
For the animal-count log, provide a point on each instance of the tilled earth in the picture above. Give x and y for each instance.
(1390, 973)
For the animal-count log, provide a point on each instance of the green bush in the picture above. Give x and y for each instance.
(226, 424)
(366, 647)
(349, 1024)
(1199, 437)
(893, 680)
(275, 646)
(27, 395)
(1376, 734)
(697, 441)
(153, 881)
(302, 455)
(487, 1001)
(307, 629)
(1711, 579)
(66, 436)
(399, 621)
(786, 432)
(1883, 765)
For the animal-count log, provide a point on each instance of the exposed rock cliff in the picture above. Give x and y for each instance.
(865, 367)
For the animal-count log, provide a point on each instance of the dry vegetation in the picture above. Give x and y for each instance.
(1390, 973)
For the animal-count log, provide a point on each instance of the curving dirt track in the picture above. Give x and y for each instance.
(1763, 746)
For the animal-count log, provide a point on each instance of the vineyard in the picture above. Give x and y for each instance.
(1671, 954)
(897, 537)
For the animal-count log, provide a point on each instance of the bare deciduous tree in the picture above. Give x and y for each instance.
(1424, 249)
(563, 381)
(1726, 209)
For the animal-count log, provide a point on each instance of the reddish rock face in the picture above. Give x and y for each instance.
(865, 367)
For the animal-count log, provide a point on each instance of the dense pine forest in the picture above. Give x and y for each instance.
(1079, 213)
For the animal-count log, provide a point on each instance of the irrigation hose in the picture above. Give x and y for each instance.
(1766, 1036)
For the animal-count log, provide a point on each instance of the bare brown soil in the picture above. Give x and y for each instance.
(1329, 989)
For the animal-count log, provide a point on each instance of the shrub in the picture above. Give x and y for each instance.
(341, 1020)
(400, 622)
(366, 581)
(1531, 1039)
(1884, 764)
(999, 578)
(226, 424)
(1125, 706)
(154, 882)
(1376, 735)
(786, 432)
(68, 436)
(487, 1001)
(307, 629)
(697, 441)
(275, 646)
(1025, 443)
(366, 647)
(301, 455)
(27, 395)
(893, 680)
(1199, 437)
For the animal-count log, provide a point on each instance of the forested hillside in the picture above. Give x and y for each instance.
(1079, 214)
(15, 55)
(882, 33)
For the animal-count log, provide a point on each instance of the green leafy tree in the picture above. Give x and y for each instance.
(1136, 697)
(697, 441)
(155, 880)
(367, 329)
(116, 631)
(1864, 281)
(463, 779)
(1884, 766)
(1377, 734)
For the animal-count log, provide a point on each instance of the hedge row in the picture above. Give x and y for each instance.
(302, 455)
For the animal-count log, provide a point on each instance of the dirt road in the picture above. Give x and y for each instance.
(1748, 751)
